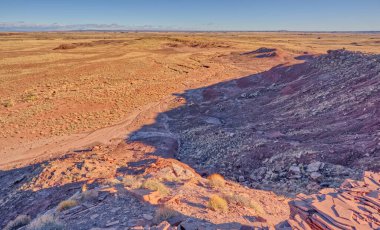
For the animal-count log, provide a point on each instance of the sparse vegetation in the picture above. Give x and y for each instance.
(217, 203)
(45, 222)
(243, 201)
(171, 178)
(89, 195)
(155, 185)
(216, 180)
(8, 103)
(29, 96)
(237, 199)
(255, 206)
(132, 181)
(66, 204)
(17, 223)
(163, 214)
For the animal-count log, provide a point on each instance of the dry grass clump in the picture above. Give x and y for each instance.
(66, 204)
(163, 214)
(155, 185)
(29, 96)
(216, 180)
(132, 181)
(89, 195)
(217, 203)
(237, 199)
(17, 223)
(8, 103)
(243, 201)
(257, 207)
(45, 222)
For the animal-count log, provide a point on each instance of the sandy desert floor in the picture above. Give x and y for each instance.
(107, 120)
(56, 89)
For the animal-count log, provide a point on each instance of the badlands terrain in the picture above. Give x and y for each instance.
(132, 130)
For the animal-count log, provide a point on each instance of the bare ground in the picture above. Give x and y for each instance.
(113, 111)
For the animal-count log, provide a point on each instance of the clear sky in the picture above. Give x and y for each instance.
(305, 15)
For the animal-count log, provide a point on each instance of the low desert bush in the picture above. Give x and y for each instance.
(45, 222)
(217, 203)
(132, 181)
(29, 96)
(17, 223)
(155, 185)
(8, 103)
(243, 201)
(66, 204)
(89, 195)
(257, 207)
(216, 180)
(237, 199)
(163, 214)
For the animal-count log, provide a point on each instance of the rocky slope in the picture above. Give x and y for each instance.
(291, 129)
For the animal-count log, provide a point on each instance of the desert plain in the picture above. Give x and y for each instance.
(110, 110)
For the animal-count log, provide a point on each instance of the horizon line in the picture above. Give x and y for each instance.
(204, 31)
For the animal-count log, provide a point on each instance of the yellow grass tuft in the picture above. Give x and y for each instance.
(163, 214)
(243, 201)
(17, 223)
(45, 222)
(155, 185)
(66, 204)
(237, 199)
(217, 203)
(132, 181)
(89, 195)
(257, 207)
(8, 103)
(216, 180)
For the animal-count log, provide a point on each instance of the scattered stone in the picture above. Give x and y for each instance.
(94, 216)
(109, 224)
(176, 220)
(137, 228)
(315, 175)
(189, 224)
(314, 167)
(259, 173)
(162, 226)
(294, 172)
(213, 120)
(241, 179)
(147, 217)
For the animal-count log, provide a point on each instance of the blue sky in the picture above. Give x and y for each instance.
(305, 15)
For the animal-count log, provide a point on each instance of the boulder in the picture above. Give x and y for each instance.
(294, 172)
(315, 176)
(314, 167)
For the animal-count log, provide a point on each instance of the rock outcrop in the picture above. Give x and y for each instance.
(355, 205)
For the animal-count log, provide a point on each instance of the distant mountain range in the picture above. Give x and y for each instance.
(34, 27)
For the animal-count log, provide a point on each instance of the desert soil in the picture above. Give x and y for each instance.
(108, 112)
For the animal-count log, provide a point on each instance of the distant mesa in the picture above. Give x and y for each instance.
(262, 52)
(87, 44)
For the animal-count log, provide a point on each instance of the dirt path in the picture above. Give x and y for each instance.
(19, 154)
